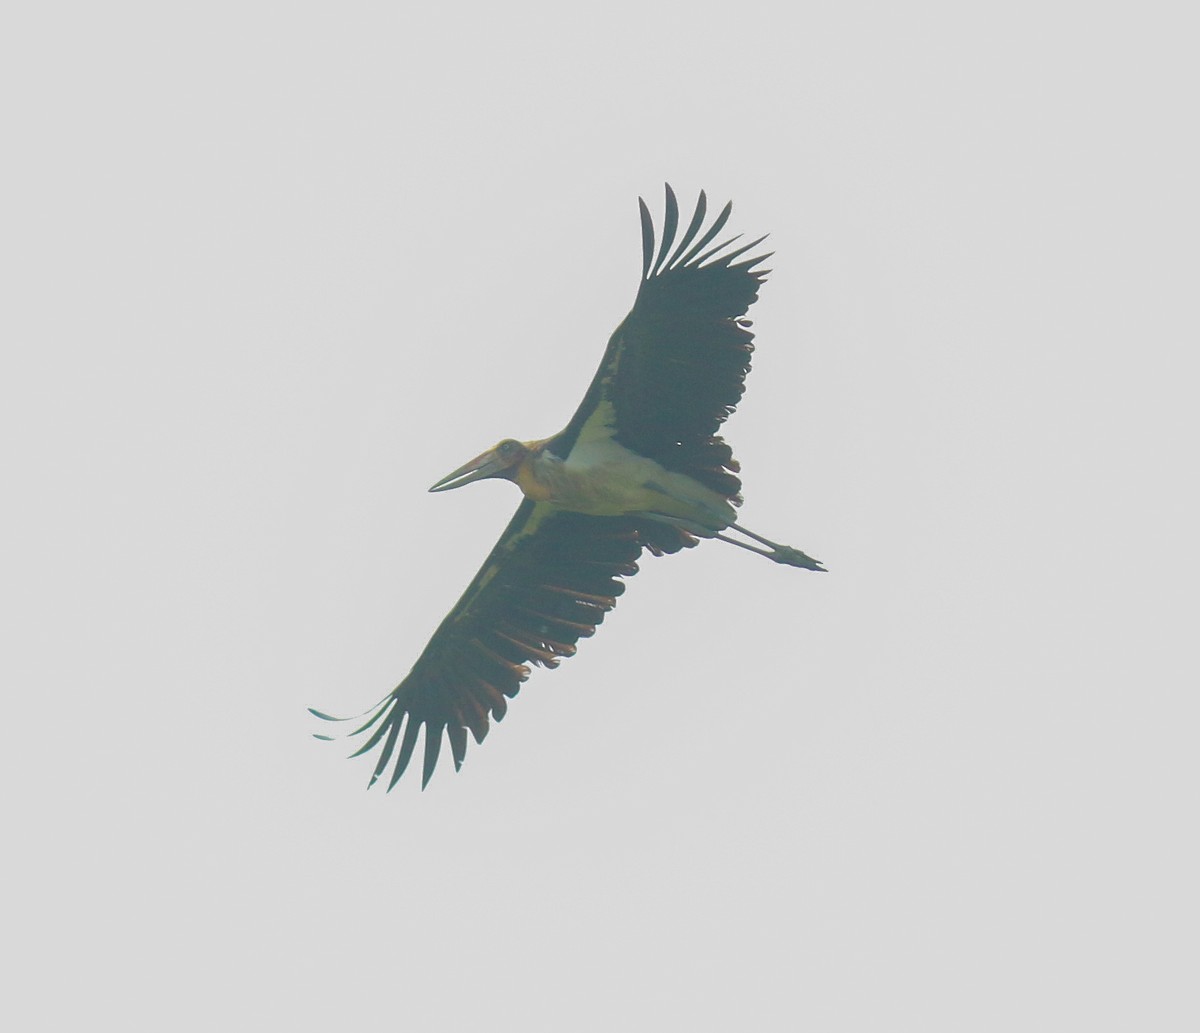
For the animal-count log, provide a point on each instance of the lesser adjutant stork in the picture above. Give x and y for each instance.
(640, 466)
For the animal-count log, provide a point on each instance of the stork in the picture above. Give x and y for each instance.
(639, 466)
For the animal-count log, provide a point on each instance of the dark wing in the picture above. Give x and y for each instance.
(548, 582)
(676, 367)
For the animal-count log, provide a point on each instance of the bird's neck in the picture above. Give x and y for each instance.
(535, 476)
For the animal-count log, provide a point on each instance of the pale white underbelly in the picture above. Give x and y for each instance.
(606, 479)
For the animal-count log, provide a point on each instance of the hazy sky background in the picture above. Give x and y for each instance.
(271, 270)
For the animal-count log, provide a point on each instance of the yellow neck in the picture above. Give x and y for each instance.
(527, 481)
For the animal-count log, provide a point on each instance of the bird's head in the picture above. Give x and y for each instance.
(502, 461)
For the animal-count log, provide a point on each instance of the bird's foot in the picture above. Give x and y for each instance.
(794, 558)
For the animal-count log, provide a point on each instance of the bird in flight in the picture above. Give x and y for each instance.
(639, 466)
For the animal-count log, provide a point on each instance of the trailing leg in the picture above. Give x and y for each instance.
(774, 551)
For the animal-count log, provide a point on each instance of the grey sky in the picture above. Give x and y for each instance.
(271, 271)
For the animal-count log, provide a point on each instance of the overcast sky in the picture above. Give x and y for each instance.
(272, 270)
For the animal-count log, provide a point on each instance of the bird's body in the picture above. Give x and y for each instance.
(639, 466)
(601, 477)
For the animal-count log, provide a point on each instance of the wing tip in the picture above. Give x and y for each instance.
(433, 748)
(647, 238)
(669, 226)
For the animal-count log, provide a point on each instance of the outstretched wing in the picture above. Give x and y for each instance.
(548, 582)
(676, 366)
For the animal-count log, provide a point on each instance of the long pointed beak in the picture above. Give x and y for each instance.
(486, 465)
